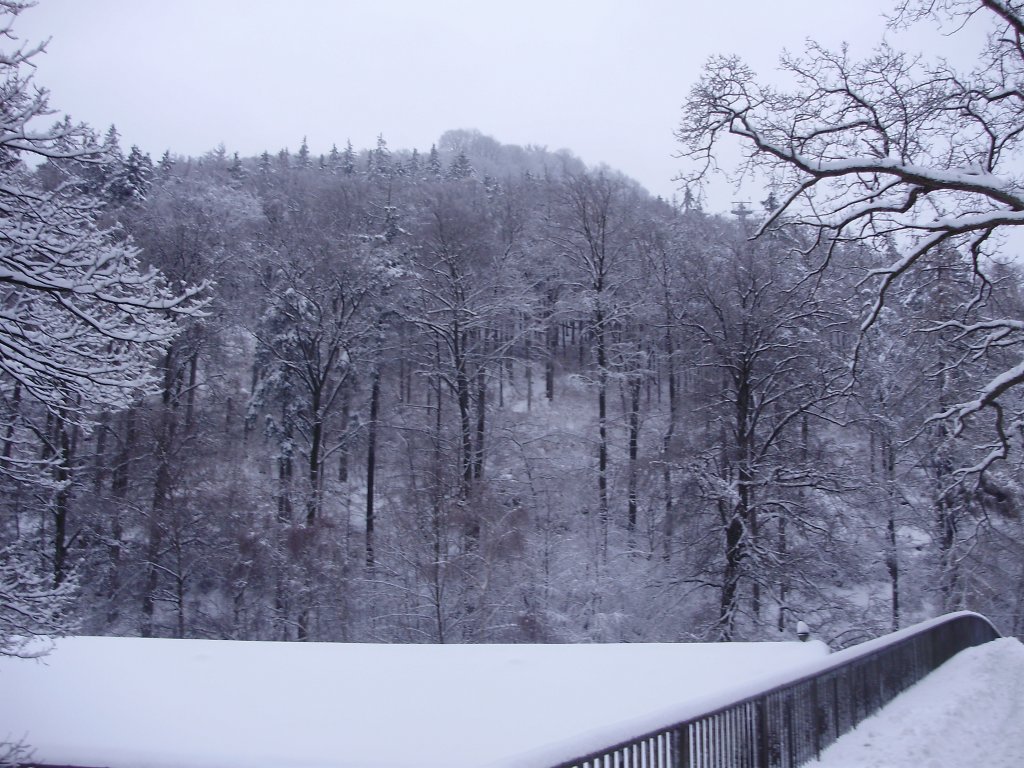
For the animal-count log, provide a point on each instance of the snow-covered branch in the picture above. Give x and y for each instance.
(80, 319)
(905, 157)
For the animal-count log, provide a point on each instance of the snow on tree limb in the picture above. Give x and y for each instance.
(80, 318)
(903, 156)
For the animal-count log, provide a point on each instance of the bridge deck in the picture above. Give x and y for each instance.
(970, 711)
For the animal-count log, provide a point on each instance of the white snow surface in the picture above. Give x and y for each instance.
(968, 712)
(152, 703)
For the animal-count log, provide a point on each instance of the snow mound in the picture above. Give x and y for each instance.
(134, 703)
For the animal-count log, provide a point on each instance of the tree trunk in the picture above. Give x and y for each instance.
(666, 467)
(734, 552)
(745, 512)
(114, 548)
(99, 462)
(316, 438)
(634, 442)
(481, 422)
(8, 451)
(437, 565)
(62, 500)
(285, 470)
(162, 486)
(190, 393)
(371, 464)
(602, 426)
(121, 473)
(462, 397)
(892, 554)
(346, 407)
(551, 331)
(528, 365)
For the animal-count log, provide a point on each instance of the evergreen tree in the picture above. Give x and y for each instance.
(112, 146)
(166, 164)
(413, 166)
(434, 170)
(303, 155)
(136, 176)
(460, 168)
(380, 160)
(348, 159)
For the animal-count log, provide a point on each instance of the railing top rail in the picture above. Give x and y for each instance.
(873, 647)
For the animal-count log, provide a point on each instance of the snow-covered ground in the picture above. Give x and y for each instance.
(969, 712)
(133, 703)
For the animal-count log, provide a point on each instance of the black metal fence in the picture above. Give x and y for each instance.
(786, 726)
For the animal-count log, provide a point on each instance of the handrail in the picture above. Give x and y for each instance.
(789, 724)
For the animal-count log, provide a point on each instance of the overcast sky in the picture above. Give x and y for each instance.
(602, 78)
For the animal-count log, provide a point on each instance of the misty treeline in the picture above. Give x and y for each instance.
(484, 393)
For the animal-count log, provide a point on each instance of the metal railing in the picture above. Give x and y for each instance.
(790, 724)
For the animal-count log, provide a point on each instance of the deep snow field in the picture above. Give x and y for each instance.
(134, 703)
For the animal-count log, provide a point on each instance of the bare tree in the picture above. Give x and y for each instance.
(593, 233)
(757, 317)
(893, 150)
(466, 289)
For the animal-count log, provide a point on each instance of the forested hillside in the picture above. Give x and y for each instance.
(483, 393)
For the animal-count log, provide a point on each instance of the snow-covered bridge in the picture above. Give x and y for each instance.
(132, 703)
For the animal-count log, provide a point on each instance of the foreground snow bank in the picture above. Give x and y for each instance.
(969, 712)
(133, 703)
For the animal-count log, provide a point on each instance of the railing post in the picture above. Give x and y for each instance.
(761, 715)
(682, 746)
(787, 713)
(815, 718)
(835, 705)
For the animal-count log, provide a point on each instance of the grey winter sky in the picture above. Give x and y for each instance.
(603, 78)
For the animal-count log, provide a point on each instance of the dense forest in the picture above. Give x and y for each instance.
(486, 394)
(483, 393)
